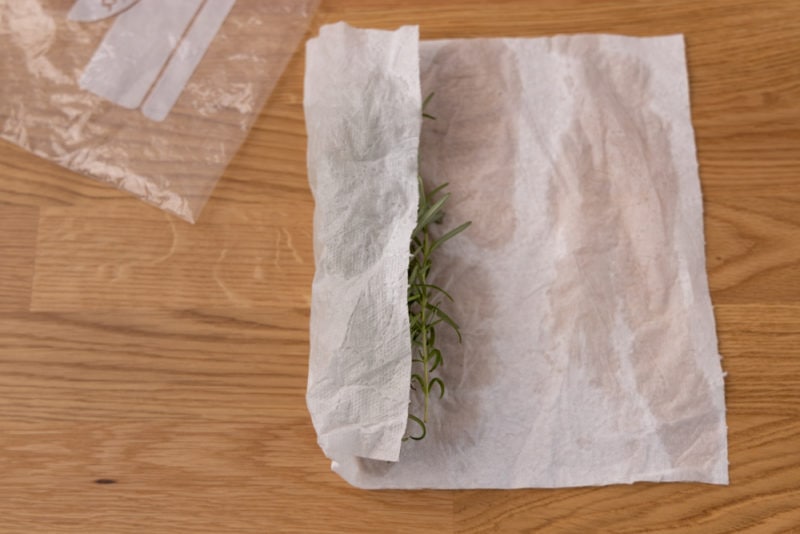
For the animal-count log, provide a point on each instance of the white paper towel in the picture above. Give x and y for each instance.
(590, 353)
(362, 91)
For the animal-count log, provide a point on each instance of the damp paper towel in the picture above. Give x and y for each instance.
(589, 354)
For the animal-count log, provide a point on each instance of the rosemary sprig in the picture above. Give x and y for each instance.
(424, 299)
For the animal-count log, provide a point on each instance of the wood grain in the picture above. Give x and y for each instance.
(169, 360)
(18, 251)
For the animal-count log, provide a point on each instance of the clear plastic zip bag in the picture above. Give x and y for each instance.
(153, 97)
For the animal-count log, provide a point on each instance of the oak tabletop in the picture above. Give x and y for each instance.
(153, 372)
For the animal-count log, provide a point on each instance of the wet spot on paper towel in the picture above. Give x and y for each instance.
(471, 145)
(366, 208)
(602, 192)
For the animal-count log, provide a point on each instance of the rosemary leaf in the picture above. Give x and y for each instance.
(424, 312)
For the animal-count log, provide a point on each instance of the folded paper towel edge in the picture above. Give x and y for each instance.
(352, 415)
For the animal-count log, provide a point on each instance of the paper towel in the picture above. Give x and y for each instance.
(589, 354)
(362, 98)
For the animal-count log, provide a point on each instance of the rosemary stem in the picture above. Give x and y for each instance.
(424, 331)
(423, 311)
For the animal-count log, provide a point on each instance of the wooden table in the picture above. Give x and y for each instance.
(152, 373)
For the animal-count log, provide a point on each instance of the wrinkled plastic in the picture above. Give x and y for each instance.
(60, 70)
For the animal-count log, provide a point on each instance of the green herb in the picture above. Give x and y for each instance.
(424, 299)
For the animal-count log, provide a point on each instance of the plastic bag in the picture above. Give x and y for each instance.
(151, 97)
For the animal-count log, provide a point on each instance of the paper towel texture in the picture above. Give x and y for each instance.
(362, 100)
(589, 354)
